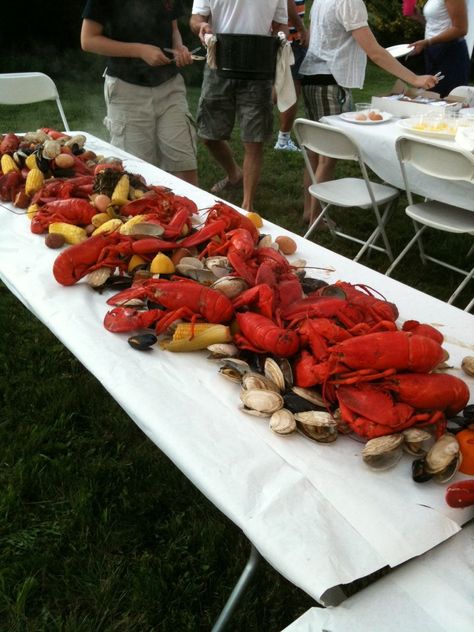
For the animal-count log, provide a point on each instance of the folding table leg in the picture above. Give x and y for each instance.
(238, 590)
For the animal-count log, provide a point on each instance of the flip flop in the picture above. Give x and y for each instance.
(225, 185)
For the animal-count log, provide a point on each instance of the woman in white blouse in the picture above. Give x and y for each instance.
(444, 46)
(339, 43)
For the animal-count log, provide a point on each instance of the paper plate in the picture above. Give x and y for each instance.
(409, 125)
(350, 117)
(399, 50)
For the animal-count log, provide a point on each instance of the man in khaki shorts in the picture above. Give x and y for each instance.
(225, 99)
(147, 109)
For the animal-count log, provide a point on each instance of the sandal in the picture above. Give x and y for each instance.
(225, 185)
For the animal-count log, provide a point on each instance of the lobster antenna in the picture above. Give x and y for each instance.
(10, 210)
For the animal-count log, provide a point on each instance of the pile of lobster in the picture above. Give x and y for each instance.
(375, 378)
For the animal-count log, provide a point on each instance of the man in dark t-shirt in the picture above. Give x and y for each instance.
(147, 110)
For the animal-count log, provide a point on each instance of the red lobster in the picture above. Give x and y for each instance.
(9, 143)
(182, 298)
(401, 401)
(114, 250)
(55, 188)
(384, 352)
(75, 211)
(262, 335)
(460, 494)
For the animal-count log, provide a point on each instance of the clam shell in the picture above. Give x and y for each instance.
(234, 369)
(414, 440)
(265, 242)
(219, 266)
(142, 342)
(253, 380)
(148, 229)
(467, 365)
(444, 458)
(231, 286)
(309, 394)
(222, 350)
(98, 277)
(317, 425)
(273, 372)
(262, 401)
(51, 149)
(283, 422)
(384, 452)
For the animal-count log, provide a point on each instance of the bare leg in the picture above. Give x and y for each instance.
(287, 118)
(222, 154)
(253, 159)
(188, 176)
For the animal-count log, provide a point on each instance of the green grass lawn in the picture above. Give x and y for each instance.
(99, 531)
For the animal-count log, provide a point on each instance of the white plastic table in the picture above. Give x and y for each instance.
(377, 144)
(313, 511)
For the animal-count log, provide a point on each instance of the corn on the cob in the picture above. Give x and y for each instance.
(31, 162)
(108, 227)
(32, 210)
(99, 219)
(34, 181)
(136, 219)
(7, 164)
(72, 234)
(205, 334)
(120, 193)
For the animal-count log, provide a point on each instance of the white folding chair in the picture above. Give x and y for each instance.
(449, 163)
(360, 193)
(20, 88)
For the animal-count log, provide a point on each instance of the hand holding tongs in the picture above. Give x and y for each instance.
(192, 52)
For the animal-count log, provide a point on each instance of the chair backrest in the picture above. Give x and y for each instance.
(448, 163)
(20, 88)
(325, 140)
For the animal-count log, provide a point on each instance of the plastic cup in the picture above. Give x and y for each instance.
(362, 107)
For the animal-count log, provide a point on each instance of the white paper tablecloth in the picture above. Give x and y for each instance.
(434, 592)
(313, 511)
(377, 144)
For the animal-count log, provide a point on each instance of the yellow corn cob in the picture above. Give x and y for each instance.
(31, 162)
(121, 191)
(72, 234)
(99, 219)
(32, 210)
(108, 227)
(7, 164)
(34, 181)
(205, 334)
(136, 219)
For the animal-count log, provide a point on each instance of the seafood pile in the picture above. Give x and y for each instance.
(327, 360)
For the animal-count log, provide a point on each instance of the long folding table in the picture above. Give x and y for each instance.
(315, 512)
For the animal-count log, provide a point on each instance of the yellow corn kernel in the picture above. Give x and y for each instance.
(99, 219)
(125, 228)
(34, 181)
(72, 234)
(108, 227)
(7, 164)
(120, 193)
(31, 162)
(162, 264)
(32, 210)
(205, 334)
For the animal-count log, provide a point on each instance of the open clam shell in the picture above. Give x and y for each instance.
(222, 350)
(317, 425)
(231, 286)
(283, 422)
(274, 373)
(234, 369)
(260, 402)
(253, 380)
(444, 458)
(415, 440)
(384, 452)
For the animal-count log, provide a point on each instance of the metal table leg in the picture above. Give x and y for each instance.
(238, 590)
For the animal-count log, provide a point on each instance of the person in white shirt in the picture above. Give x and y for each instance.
(339, 43)
(225, 98)
(444, 47)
